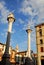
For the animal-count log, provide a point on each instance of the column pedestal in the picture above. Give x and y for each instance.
(28, 61)
(5, 60)
(6, 56)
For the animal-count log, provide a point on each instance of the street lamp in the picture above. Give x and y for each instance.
(6, 56)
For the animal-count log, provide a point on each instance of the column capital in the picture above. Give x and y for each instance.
(11, 18)
(28, 30)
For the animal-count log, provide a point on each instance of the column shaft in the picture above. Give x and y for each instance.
(29, 45)
(7, 43)
(8, 37)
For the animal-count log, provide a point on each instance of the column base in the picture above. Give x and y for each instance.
(28, 61)
(5, 59)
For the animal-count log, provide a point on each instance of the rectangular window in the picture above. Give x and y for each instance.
(40, 32)
(39, 26)
(41, 41)
(41, 49)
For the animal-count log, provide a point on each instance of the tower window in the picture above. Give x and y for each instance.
(39, 26)
(40, 32)
(41, 41)
(41, 49)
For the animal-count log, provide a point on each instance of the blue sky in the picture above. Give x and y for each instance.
(28, 13)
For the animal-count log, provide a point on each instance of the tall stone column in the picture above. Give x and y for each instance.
(10, 22)
(28, 59)
(29, 47)
(6, 56)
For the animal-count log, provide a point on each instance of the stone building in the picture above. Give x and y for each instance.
(12, 52)
(40, 43)
(15, 55)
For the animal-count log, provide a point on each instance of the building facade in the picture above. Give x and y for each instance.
(15, 57)
(40, 43)
(12, 52)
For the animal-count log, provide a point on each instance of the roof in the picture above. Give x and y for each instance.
(22, 52)
(39, 25)
(2, 43)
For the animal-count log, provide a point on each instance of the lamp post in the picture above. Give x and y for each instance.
(6, 56)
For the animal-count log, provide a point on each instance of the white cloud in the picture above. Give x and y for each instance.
(20, 21)
(26, 11)
(32, 7)
(4, 12)
(4, 34)
(27, 8)
(29, 24)
(25, 27)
